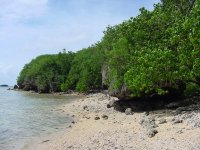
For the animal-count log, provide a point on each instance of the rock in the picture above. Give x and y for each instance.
(45, 141)
(26, 88)
(105, 117)
(73, 122)
(110, 104)
(128, 111)
(70, 146)
(15, 87)
(96, 118)
(178, 110)
(146, 113)
(151, 133)
(177, 120)
(162, 121)
(179, 132)
(141, 121)
(173, 105)
(85, 108)
(193, 120)
(87, 117)
(148, 122)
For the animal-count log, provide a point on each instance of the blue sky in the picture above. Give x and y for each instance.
(29, 28)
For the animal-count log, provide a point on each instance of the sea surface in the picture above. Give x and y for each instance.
(26, 115)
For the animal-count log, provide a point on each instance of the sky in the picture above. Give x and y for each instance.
(29, 28)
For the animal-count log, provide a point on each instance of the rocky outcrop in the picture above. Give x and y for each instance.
(15, 87)
(157, 103)
(149, 124)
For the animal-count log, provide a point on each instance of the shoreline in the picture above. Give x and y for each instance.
(97, 127)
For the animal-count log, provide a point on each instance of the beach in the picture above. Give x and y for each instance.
(97, 127)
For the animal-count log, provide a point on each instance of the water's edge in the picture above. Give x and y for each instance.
(26, 117)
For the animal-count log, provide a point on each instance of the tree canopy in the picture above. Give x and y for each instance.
(156, 52)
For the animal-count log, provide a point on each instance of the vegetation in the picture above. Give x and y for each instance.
(155, 53)
(46, 73)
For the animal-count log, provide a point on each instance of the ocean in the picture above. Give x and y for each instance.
(26, 115)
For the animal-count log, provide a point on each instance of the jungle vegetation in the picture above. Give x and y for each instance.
(157, 52)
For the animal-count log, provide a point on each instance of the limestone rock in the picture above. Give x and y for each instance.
(110, 104)
(162, 121)
(85, 108)
(128, 111)
(151, 133)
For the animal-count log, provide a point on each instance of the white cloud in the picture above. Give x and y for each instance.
(29, 28)
(14, 10)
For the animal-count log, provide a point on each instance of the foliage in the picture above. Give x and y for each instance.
(85, 73)
(156, 52)
(46, 73)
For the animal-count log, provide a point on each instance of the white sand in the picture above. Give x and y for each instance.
(119, 131)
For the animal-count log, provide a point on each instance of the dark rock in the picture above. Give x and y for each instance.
(177, 120)
(141, 121)
(96, 118)
(146, 113)
(86, 108)
(179, 132)
(73, 122)
(70, 146)
(178, 110)
(162, 121)
(105, 117)
(173, 105)
(110, 104)
(15, 87)
(151, 133)
(128, 111)
(26, 88)
(45, 141)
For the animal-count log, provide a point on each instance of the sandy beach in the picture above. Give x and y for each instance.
(96, 127)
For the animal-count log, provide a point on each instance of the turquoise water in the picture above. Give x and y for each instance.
(24, 115)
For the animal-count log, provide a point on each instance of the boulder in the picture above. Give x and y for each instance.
(128, 111)
(105, 117)
(177, 120)
(110, 104)
(151, 132)
(26, 87)
(85, 108)
(96, 118)
(15, 87)
(162, 121)
(148, 122)
(173, 105)
(178, 110)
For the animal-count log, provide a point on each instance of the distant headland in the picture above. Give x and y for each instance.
(3, 85)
